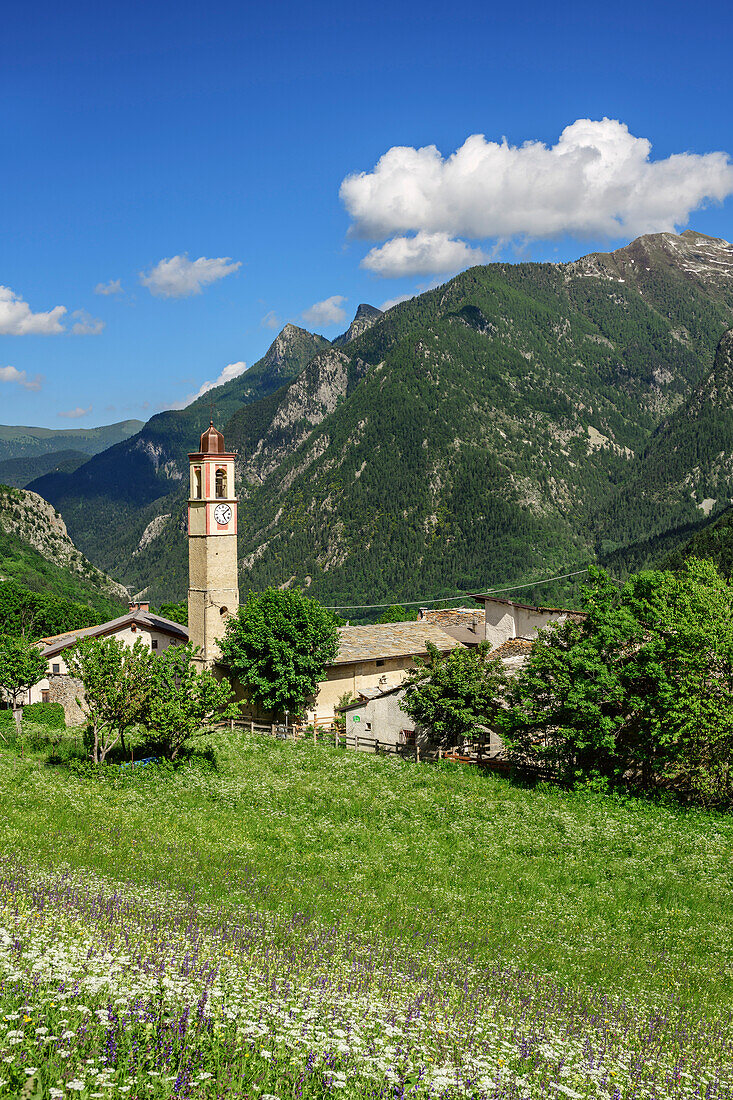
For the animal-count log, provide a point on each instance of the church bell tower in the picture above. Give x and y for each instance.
(213, 593)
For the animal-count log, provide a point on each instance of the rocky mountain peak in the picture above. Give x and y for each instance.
(693, 254)
(364, 318)
(702, 259)
(292, 343)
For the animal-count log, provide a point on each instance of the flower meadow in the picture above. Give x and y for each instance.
(178, 959)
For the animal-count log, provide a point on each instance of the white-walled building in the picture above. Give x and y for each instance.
(139, 623)
(506, 619)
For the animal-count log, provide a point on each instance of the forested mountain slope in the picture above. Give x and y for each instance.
(471, 436)
(37, 553)
(683, 475)
(713, 541)
(107, 497)
(19, 472)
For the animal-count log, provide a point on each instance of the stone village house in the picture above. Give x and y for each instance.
(58, 687)
(509, 628)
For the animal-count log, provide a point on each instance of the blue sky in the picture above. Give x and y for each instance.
(141, 133)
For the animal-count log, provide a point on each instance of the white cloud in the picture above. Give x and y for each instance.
(423, 254)
(270, 320)
(325, 313)
(75, 414)
(233, 370)
(396, 301)
(86, 325)
(180, 277)
(20, 377)
(598, 180)
(114, 286)
(16, 318)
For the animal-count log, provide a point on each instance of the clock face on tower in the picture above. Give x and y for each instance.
(222, 514)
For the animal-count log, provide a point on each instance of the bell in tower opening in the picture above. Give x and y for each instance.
(213, 587)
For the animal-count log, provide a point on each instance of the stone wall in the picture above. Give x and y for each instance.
(66, 690)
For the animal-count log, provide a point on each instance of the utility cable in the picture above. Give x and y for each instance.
(446, 599)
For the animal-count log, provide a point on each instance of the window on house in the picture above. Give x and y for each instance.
(56, 669)
(408, 737)
(221, 481)
(197, 482)
(45, 696)
(154, 643)
(379, 664)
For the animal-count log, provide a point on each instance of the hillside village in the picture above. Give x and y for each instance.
(371, 661)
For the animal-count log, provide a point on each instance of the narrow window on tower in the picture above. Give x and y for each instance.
(221, 482)
(197, 482)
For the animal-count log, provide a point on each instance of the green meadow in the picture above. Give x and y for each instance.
(620, 903)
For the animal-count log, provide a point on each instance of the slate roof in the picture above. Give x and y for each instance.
(58, 642)
(513, 647)
(368, 695)
(467, 624)
(453, 616)
(384, 640)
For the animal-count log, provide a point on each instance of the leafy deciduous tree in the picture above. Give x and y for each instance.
(278, 645)
(455, 696)
(642, 687)
(396, 614)
(21, 666)
(185, 703)
(116, 679)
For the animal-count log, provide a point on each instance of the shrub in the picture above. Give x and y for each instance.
(50, 715)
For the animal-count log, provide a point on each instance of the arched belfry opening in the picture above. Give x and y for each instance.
(197, 484)
(221, 482)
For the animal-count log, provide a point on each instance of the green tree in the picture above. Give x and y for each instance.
(697, 620)
(176, 612)
(117, 680)
(396, 614)
(278, 645)
(456, 696)
(21, 666)
(641, 689)
(185, 703)
(40, 614)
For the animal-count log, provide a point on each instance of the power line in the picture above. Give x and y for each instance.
(446, 599)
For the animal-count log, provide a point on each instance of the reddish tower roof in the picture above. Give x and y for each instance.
(212, 441)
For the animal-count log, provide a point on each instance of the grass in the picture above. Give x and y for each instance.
(623, 900)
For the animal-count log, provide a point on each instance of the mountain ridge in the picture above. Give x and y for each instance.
(467, 437)
(17, 441)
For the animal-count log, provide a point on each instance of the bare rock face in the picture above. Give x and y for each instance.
(365, 317)
(307, 401)
(153, 530)
(36, 522)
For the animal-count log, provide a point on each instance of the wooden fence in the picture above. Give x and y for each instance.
(327, 731)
